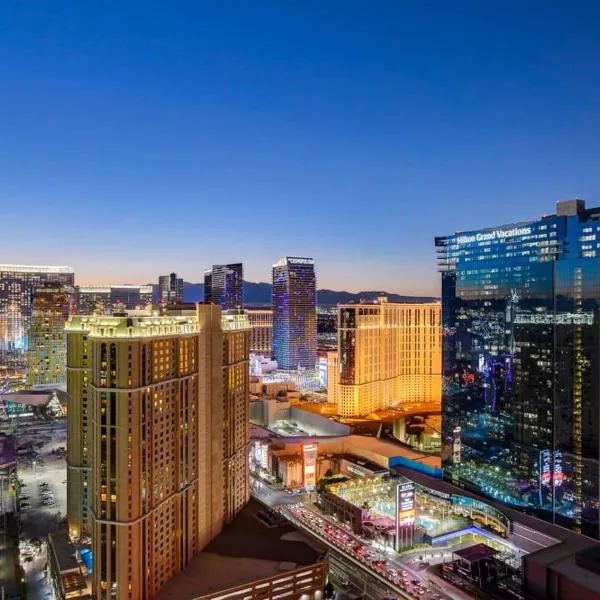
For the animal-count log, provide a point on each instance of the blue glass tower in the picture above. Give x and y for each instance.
(294, 313)
(521, 363)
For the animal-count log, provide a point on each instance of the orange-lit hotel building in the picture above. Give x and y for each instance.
(158, 439)
(388, 354)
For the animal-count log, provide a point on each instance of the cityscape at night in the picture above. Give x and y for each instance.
(300, 301)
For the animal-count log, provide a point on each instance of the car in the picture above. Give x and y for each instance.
(25, 506)
(24, 497)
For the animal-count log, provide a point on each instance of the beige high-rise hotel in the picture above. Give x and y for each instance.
(388, 354)
(261, 336)
(158, 434)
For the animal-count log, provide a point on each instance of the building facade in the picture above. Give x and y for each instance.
(236, 410)
(294, 298)
(388, 354)
(333, 377)
(156, 427)
(521, 361)
(47, 351)
(223, 285)
(93, 299)
(17, 285)
(170, 289)
(261, 334)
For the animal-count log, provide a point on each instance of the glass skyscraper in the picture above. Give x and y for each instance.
(521, 364)
(93, 299)
(294, 299)
(47, 353)
(17, 285)
(223, 285)
(170, 289)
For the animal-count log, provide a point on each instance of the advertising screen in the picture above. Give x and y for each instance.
(405, 500)
(309, 458)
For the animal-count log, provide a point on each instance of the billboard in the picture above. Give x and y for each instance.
(456, 448)
(405, 514)
(309, 459)
(558, 469)
(405, 500)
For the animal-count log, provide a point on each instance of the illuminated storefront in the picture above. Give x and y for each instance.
(521, 362)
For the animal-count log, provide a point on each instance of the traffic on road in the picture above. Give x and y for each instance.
(363, 552)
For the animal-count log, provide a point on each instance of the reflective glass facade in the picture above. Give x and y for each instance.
(223, 285)
(521, 364)
(294, 313)
(17, 285)
(103, 299)
(170, 289)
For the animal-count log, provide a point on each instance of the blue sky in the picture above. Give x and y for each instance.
(143, 137)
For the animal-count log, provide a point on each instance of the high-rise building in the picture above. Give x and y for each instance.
(261, 334)
(387, 354)
(223, 285)
(158, 436)
(294, 313)
(236, 410)
(17, 284)
(521, 356)
(47, 351)
(333, 377)
(170, 289)
(101, 299)
(234, 336)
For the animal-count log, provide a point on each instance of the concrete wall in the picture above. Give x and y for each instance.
(317, 422)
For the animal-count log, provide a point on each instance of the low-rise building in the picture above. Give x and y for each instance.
(66, 572)
(256, 556)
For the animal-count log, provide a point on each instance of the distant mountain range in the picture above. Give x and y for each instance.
(260, 293)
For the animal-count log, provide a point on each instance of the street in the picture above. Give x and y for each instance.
(388, 571)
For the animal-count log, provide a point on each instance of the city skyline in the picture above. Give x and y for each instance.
(377, 128)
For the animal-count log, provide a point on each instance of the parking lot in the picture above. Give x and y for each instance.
(42, 472)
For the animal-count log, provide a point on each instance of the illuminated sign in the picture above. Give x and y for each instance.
(558, 469)
(496, 234)
(309, 456)
(301, 261)
(405, 500)
(456, 446)
(405, 514)
(355, 470)
(545, 470)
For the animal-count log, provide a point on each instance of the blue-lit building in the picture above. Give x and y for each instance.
(294, 298)
(521, 363)
(223, 285)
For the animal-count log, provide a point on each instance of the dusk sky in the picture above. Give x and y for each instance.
(143, 137)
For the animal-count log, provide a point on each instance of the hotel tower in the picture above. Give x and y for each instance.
(158, 434)
(388, 354)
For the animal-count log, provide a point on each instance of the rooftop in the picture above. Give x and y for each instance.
(477, 552)
(103, 326)
(35, 269)
(28, 397)
(247, 550)
(363, 462)
(64, 551)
